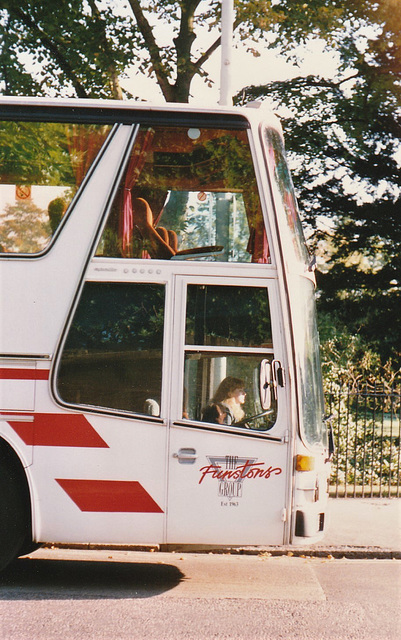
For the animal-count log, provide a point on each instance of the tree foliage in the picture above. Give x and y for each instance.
(24, 228)
(344, 139)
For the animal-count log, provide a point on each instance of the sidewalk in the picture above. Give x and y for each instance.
(364, 525)
(357, 528)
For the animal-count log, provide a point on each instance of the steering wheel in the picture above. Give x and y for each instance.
(245, 421)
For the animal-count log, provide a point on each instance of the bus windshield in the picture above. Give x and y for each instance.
(302, 293)
(283, 191)
(308, 362)
(187, 193)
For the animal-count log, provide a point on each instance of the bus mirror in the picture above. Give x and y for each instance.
(332, 446)
(265, 384)
(278, 378)
(328, 420)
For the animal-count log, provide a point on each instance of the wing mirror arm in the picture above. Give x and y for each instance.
(265, 384)
(271, 376)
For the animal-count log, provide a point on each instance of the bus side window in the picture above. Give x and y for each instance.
(187, 194)
(228, 335)
(42, 166)
(112, 357)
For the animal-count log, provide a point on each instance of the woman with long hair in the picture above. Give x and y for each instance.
(226, 405)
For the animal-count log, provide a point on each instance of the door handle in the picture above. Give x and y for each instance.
(186, 456)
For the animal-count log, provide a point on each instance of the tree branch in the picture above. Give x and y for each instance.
(113, 75)
(153, 49)
(52, 48)
(216, 44)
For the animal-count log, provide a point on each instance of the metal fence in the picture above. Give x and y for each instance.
(366, 424)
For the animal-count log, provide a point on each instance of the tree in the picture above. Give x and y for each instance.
(84, 47)
(24, 228)
(344, 138)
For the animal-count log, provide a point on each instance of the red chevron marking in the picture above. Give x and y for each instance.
(58, 430)
(109, 495)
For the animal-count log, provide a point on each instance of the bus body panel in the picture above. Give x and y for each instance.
(110, 490)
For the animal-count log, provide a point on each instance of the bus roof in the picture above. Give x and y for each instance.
(129, 111)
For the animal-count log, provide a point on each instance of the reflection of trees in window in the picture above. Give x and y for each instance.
(280, 171)
(47, 152)
(56, 210)
(113, 353)
(34, 153)
(24, 228)
(228, 315)
(118, 316)
(52, 159)
(174, 211)
(230, 162)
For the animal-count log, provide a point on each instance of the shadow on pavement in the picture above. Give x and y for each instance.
(36, 579)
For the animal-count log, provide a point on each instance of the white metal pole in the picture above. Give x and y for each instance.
(227, 25)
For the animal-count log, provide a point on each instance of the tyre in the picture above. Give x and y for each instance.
(14, 507)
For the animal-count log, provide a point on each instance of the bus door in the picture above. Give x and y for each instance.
(228, 457)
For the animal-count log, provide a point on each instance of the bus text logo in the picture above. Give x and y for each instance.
(231, 471)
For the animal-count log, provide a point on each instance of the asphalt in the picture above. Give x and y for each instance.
(357, 528)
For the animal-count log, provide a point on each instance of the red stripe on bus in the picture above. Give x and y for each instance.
(58, 430)
(109, 496)
(24, 374)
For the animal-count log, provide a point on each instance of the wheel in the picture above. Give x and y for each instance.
(14, 512)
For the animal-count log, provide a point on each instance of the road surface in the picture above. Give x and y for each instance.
(119, 595)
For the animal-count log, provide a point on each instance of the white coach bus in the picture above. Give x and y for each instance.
(159, 358)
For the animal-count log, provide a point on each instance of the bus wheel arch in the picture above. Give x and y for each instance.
(15, 507)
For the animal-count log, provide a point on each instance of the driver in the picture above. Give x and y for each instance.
(226, 405)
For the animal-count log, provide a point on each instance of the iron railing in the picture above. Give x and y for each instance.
(366, 425)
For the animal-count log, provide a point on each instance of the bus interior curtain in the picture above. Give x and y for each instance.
(134, 169)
